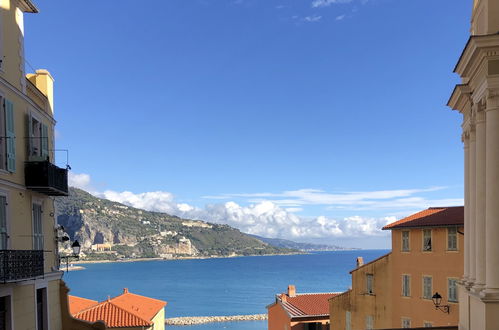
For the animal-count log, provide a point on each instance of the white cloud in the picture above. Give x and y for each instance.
(81, 181)
(312, 19)
(326, 3)
(265, 218)
(341, 17)
(362, 200)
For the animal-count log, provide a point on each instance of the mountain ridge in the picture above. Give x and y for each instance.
(111, 230)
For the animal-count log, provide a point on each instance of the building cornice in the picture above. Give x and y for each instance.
(28, 6)
(476, 49)
(460, 97)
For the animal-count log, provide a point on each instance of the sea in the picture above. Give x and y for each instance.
(219, 286)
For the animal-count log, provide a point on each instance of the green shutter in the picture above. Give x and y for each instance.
(29, 127)
(3, 224)
(45, 142)
(11, 137)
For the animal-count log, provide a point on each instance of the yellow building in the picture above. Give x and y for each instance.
(396, 290)
(32, 294)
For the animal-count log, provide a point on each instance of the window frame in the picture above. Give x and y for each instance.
(449, 239)
(8, 293)
(427, 247)
(5, 194)
(46, 308)
(348, 320)
(423, 283)
(408, 292)
(38, 236)
(370, 283)
(455, 280)
(402, 245)
(369, 322)
(404, 320)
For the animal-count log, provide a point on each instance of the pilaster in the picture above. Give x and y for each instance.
(491, 291)
(480, 182)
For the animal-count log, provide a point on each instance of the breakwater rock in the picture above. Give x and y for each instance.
(194, 320)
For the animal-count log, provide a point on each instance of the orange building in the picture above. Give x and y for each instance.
(396, 290)
(306, 311)
(128, 311)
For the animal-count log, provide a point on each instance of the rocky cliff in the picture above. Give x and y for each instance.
(108, 229)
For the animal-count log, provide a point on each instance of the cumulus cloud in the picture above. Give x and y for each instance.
(326, 3)
(81, 181)
(274, 214)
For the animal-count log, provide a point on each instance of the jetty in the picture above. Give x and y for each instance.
(195, 320)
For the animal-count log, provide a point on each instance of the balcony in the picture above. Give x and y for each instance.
(46, 178)
(20, 265)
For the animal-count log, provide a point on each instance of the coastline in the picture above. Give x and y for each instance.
(184, 258)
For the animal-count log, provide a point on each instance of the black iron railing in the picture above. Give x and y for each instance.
(18, 265)
(46, 178)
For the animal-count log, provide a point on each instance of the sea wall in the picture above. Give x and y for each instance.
(193, 320)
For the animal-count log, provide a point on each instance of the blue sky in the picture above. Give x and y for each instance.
(310, 120)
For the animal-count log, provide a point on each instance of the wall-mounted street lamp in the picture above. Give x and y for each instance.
(76, 254)
(437, 300)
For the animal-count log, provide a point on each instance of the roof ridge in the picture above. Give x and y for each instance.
(135, 294)
(312, 293)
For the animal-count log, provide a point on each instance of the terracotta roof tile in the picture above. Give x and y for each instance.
(141, 306)
(114, 316)
(434, 216)
(308, 304)
(125, 310)
(77, 304)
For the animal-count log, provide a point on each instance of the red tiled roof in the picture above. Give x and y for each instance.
(308, 304)
(434, 216)
(125, 310)
(77, 304)
(114, 316)
(141, 306)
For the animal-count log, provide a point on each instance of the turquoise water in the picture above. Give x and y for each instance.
(225, 286)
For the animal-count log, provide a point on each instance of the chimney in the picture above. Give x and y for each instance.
(291, 290)
(360, 261)
(125, 290)
(44, 81)
(284, 298)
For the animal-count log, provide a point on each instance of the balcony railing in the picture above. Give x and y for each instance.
(46, 178)
(19, 265)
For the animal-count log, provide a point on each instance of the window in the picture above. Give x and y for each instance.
(369, 283)
(5, 313)
(41, 309)
(7, 136)
(452, 289)
(3, 223)
(452, 239)
(38, 139)
(37, 227)
(428, 324)
(427, 287)
(369, 322)
(426, 239)
(348, 320)
(406, 323)
(406, 285)
(405, 241)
